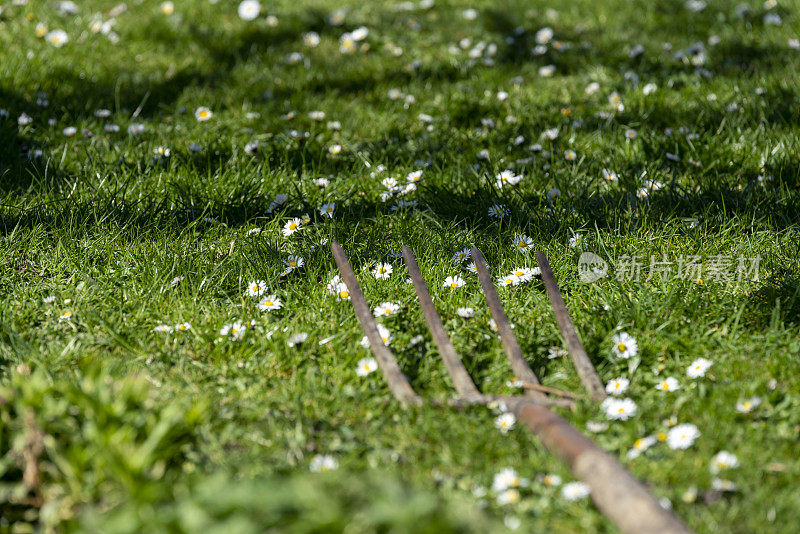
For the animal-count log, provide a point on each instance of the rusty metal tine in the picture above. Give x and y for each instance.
(518, 363)
(617, 493)
(461, 379)
(507, 400)
(583, 365)
(398, 383)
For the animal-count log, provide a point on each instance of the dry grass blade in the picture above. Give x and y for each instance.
(455, 367)
(518, 363)
(583, 365)
(551, 391)
(398, 383)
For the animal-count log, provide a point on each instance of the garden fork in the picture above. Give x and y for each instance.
(617, 493)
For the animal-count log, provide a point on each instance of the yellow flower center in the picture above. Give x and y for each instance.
(453, 284)
(292, 226)
(344, 294)
(292, 264)
(661, 436)
(388, 311)
(621, 347)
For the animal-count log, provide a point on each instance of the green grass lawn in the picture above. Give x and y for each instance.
(153, 157)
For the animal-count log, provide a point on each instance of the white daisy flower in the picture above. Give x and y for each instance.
(610, 176)
(509, 496)
(66, 316)
(619, 409)
(596, 426)
(499, 211)
(507, 177)
(294, 262)
(386, 309)
(526, 274)
(57, 38)
(323, 462)
(682, 436)
(249, 10)
(462, 255)
(414, 176)
(291, 226)
(698, 368)
(624, 345)
(202, 114)
(453, 282)
(183, 327)
(508, 280)
(668, 384)
(544, 36)
(523, 243)
(163, 328)
(256, 288)
(723, 460)
(747, 406)
(49, 299)
(269, 303)
(570, 155)
(575, 491)
(382, 271)
(618, 386)
(386, 336)
(326, 210)
(641, 445)
(366, 366)
(553, 195)
(576, 241)
(551, 480)
(466, 313)
(360, 33)
(233, 330)
(505, 422)
(721, 484)
(311, 39)
(507, 478)
(547, 71)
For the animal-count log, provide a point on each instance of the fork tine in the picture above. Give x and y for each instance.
(583, 365)
(615, 491)
(518, 363)
(458, 373)
(398, 383)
